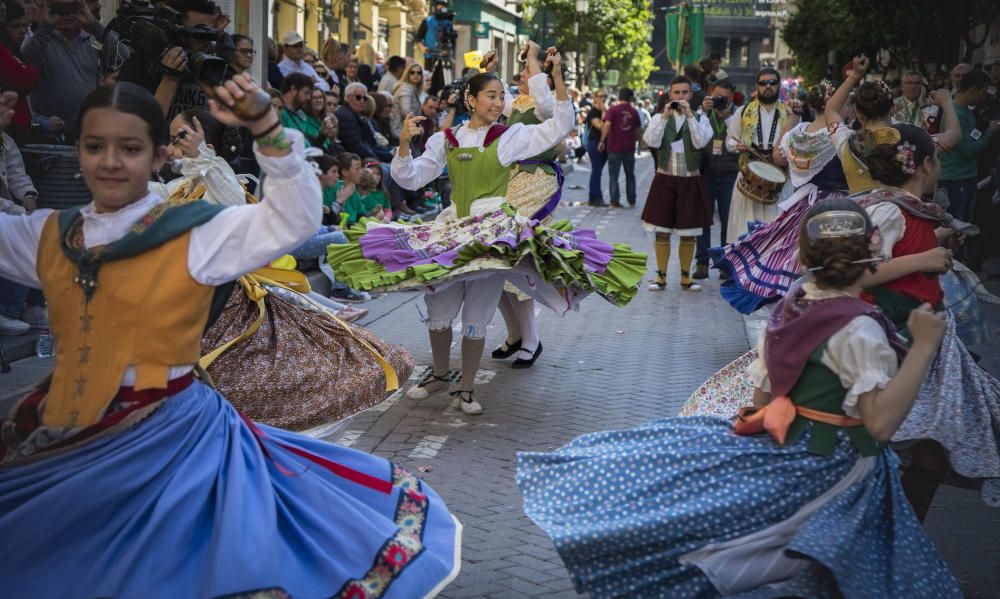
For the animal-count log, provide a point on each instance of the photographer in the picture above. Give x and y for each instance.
(62, 48)
(720, 167)
(436, 35)
(168, 76)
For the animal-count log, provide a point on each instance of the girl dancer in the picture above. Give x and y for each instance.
(195, 500)
(873, 103)
(803, 500)
(463, 258)
(954, 421)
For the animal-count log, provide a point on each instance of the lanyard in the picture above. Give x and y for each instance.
(760, 130)
(715, 126)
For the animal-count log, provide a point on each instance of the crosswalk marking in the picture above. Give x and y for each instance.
(428, 447)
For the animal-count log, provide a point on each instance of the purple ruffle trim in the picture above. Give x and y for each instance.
(596, 253)
(390, 247)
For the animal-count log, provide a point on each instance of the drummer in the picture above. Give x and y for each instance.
(754, 130)
(677, 202)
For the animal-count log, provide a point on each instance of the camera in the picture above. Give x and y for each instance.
(720, 102)
(675, 106)
(65, 9)
(149, 31)
(452, 88)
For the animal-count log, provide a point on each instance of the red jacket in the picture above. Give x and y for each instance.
(18, 77)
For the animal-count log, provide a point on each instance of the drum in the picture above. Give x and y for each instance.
(761, 182)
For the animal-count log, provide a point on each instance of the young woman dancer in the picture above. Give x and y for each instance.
(534, 191)
(195, 500)
(463, 258)
(803, 500)
(951, 428)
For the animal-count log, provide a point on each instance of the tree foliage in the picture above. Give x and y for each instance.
(620, 29)
(906, 33)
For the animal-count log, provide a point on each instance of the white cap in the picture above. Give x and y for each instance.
(291, 38)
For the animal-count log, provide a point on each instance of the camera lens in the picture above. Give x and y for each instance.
(675, 106)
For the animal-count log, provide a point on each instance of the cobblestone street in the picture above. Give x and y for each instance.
(602, 368)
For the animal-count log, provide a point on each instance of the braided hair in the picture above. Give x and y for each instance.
(836, 262)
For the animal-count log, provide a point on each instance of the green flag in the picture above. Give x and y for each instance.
(685, 35)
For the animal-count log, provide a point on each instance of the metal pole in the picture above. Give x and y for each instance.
(579, 58)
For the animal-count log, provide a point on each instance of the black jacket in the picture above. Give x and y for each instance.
(357, 135)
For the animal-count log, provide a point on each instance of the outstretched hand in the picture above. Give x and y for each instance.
(240, 102)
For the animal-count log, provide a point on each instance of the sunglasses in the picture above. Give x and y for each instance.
(771, 82)
(247, 51)
(298, 45)
(359, 97)
(416, 72)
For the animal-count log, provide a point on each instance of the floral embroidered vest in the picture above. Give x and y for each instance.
(147, 312)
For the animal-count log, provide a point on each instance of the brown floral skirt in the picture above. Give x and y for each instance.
(301, 369)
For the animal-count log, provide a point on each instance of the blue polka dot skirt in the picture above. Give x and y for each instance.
(622, 507)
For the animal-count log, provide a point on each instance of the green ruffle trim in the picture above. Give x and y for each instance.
(556, 266)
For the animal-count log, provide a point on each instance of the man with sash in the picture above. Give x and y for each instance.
(910, 107)
(753, 132)
(677, 202)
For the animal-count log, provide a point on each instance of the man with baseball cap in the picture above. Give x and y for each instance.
(294, 48)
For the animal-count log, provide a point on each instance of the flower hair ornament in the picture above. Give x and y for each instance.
(884, 87)
(842, 223)
(905, 153)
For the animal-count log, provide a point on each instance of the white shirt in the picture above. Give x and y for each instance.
(287, 66)
(387, 83)
(221, 249)
(221, 185)
(859, 354)
(767, 115)
(700, 128)
(519, 142)
(888, 217)
(538, 89)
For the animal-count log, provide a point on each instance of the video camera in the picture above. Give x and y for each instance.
(148, 31)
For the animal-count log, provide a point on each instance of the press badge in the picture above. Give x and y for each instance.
(975, 134)
(717, 147)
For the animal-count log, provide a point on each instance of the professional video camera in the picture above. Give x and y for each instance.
(148, 31)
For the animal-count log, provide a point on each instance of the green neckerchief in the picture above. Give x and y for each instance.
(158, 226)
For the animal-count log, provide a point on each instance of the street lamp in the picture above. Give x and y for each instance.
(581, 9)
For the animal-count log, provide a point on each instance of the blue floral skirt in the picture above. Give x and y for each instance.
(627, 509)
(186, 503)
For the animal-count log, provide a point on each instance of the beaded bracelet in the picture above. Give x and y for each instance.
(278, 141)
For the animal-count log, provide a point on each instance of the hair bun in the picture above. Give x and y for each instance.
(888, 136)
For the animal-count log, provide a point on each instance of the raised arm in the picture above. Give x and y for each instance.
(951, 129)
(242, 238)
(836, 103)
(412, 173)
(524, 141)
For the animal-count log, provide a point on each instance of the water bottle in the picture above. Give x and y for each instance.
(45, 347)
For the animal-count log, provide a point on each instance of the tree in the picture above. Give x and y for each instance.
(620, 29)
(906, 33)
